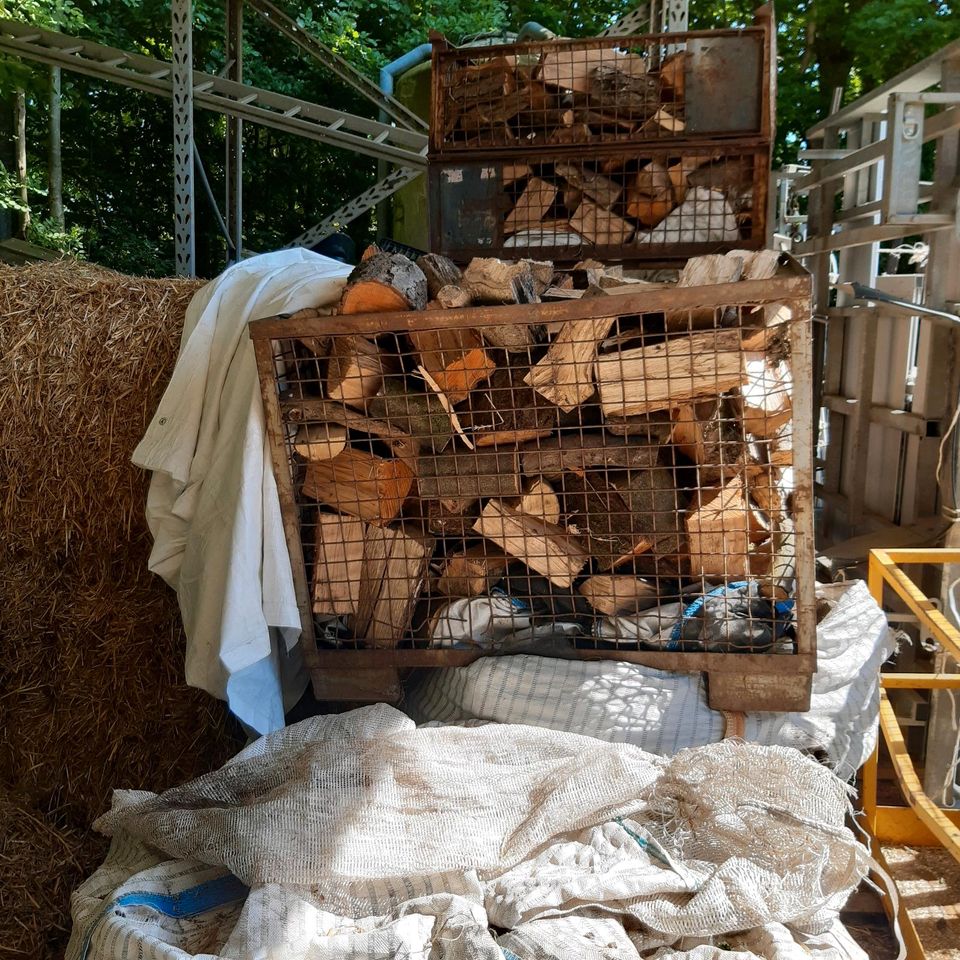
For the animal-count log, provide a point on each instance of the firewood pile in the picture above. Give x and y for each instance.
(575, 446)
(560, 93)
(619, 148)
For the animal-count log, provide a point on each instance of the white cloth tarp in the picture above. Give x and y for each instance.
(364, 836)
(213, 508)
(663, 712)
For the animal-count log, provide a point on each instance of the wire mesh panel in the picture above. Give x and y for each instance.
(539, 95)
(614, 203)
(620, 477)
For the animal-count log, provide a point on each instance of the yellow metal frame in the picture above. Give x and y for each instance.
(923, 823)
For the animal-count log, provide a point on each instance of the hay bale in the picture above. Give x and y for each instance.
(91, 663)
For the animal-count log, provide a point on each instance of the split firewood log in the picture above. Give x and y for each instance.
(338, 564)
(393, 570)
(439, 272)
(565, 374)
(600, 227)
(320, 441)
(571, 70)
(454, 358)
(452, 297)
(489, 280)
(537, 198)
(539, 500)
(650, 196)
(673, 75)
(356, 368)
(472, 572)
(710, 269)
(545, 548)
(602, 190)
(619, 595)
(669, 374)
(385, 281)
(663, 123)
(718, 532)
(361, 484)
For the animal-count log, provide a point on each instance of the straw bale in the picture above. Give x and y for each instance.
(91, 646)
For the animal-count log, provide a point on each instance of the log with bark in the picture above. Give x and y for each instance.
(582, 451)
(416, 412)
(624, 85)
(459, 479)
(385, 281)
(505, 412)
(439, 272)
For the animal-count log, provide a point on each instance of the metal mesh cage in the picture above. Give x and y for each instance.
(540, 95)
(623, 476)
(613, 203)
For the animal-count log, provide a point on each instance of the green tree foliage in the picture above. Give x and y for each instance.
(117, 153)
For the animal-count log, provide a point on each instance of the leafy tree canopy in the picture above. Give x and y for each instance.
(116, 142)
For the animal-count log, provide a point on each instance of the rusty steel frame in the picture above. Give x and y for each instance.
(728, 668)
(762, 30)
(668, 255)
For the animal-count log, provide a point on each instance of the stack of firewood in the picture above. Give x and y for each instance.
(601, 456)
(596, 95)
(560, 95)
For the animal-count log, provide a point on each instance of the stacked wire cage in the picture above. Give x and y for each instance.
(649, 149)
(623, 477)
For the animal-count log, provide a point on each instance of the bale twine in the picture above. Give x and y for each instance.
(91, 664)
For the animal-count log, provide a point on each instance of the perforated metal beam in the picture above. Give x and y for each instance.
(357, 206)
(184, 206)
(290, 114)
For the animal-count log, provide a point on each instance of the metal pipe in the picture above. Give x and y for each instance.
(403, 63)
(218, 216)
(532, 30)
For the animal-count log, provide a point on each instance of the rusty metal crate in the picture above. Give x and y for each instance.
(535, 96)
(567, 478)
(637, 204)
